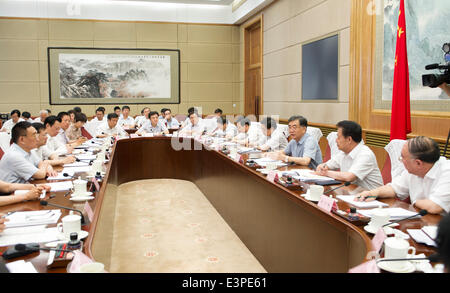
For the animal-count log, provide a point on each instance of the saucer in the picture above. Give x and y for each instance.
(306, 196)
(88, 193)
(373, 230)
(83, 234)
(82, 198)
(384, 265)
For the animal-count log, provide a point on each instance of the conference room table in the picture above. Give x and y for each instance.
(283, 230)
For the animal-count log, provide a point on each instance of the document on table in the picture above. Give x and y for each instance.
(77, 164)
(309, 176)
(395, 213)
(60, 186)
(245, 150)
(77, 169)
(21, 266)
(38, 234)
(61, 176)
(86, 157)
(421, 237)
(264, 161)
(32, 218)
(361, 204)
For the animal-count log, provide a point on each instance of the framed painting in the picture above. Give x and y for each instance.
(113, 76)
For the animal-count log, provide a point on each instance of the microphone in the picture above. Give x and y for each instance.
(432, 258)
(420, 213)
(35, 246)
(432, 66)
(45, 203)
(340, 186)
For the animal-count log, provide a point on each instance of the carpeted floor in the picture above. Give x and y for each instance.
(168, 226)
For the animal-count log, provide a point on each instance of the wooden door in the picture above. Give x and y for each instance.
(253, 69)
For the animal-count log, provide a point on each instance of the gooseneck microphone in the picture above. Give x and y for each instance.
(340, 186)
(45, 203)
(420, 213)
(35, 247)
(20, 250)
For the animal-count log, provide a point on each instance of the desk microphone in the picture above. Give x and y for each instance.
(45, 203)
(340, 186)
(420, 213)
(19, 250)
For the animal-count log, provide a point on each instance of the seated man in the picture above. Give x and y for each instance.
(74, 131)
(26, 116)
(111, 128)
(245, 135)
(303, 149)
(99, 115)
(357, 163)
(224, 128)
(118, 111)
(218, 112)
(6, 192)
(162, 115)
(72, 116)
(43, 153)
(169, 121)
(153, 126)
(140, 120)
(187, 122)
(18, 165)
(64, 117)
(15, 118)
(274, 140)
(43, 114)
(55, 146)
(426, 182)
(195, 127)
(126, 121)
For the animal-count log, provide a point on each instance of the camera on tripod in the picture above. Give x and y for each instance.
(435, 80)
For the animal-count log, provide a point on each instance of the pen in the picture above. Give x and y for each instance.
(370, 196)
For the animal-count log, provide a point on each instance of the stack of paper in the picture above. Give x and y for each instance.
(395, 213)
(245, 150)
(32, 234)
(21, 266)
(60, 186)
(33, 218)
(361, 204)
(77, 169)
(309, 176)
(421, 237)
(263, 162)
(77, 164)
(86, 156)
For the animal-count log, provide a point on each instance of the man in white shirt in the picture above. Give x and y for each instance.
(99, 115)
(26, 116)
(426, 182)
(196, 126)
(15, 118)
(64, 118)
(42, 151)
(52, 126)
(169, 121)
(224, 128)
(126, 121)
(18, 165)
(249, 134)
(111, 128)
(43, 114)
(153, 125)
(140, 120)
(357, 163)
(274, 140)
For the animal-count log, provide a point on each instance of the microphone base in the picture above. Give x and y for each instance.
(362, 221)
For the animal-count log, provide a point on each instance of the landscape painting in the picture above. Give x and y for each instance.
(113, 76)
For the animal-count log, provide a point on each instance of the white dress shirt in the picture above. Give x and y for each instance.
(361, 161)
(277, 141)
(17, 165)
(197, 129)
(435, 186)
(104, 129)
(42, 152)
(122, 121)
(55, 145)
(8, 125)
(149, 128)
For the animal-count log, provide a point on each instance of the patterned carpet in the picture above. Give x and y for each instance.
(168, 226)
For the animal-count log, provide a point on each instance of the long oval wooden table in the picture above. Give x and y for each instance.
(284, 231)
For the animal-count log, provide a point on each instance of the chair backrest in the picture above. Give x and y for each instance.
(394, 149)
(314, 132)
(5, 141)
(85, 133)
(331, 137)
(386, 171)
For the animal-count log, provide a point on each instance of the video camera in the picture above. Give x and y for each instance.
(434, 80)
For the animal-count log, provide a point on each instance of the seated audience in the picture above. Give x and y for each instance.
(274, 140)
(111, 128)
(153, 125)
(169, 121)
(248, 134)
(188, 121)
(118, 111)
(303, 149)
(426, 180)
(43, 114)
(161, 116)
(224, 128)
(140, 120)
(74, 131)
(126, 121)
(64, 117)
(52, 126)
(357, 163)
(15, 118)
(99, 115)
(195, 127)
(18, 165)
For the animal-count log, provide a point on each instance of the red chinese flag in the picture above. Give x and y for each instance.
(401, 114)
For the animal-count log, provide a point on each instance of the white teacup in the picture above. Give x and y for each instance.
(379, 218)
(315, 192)
(93, 267)
(80, 187)
(70, 224)
(397, 248)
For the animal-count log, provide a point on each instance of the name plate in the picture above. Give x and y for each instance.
(272, 176)
(133, 135)
(367, 267)
(89, 211)
(327, 203)
(378, 239)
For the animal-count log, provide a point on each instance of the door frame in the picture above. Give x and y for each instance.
(246, 28)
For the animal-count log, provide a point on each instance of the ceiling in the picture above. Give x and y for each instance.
(208, 2)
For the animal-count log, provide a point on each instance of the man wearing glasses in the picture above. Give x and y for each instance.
(426, 182)
(18, 165)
